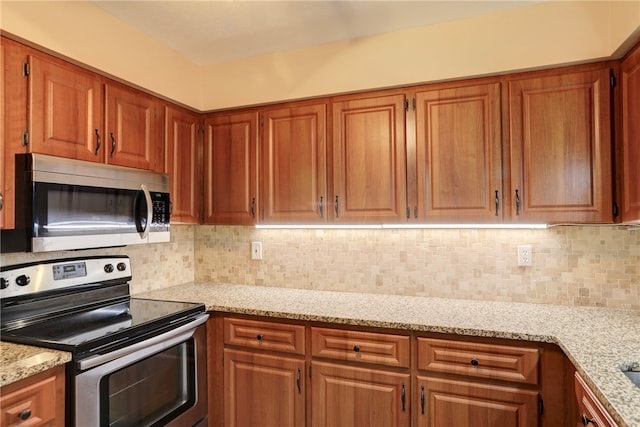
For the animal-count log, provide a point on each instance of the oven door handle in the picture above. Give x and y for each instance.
(170, 338)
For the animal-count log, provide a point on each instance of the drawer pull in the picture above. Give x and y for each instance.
(586, 420)
(356, 348)
(24, 415)
(475, 362)
(259, 337)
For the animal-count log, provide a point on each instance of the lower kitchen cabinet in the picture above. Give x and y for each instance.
(345, 396)
(36, 401)
(591, 411)
(263, 390)
(276, 372)
(443, 402)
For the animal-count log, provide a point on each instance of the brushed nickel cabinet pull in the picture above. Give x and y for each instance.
(113, 144)
(98, 142)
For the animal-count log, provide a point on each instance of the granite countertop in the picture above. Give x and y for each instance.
(19, 361)
(598, 341)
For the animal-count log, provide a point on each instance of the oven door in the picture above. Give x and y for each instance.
(161, 381)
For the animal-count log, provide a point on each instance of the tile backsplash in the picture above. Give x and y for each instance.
(597, 266)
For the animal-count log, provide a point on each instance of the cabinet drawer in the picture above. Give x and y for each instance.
(591, 410)
(498, 362)
(263, 335)
(367, 347)
(32, 405)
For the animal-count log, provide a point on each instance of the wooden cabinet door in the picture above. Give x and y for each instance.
(13, 122)
(459, 149)
(630, 176)
(231, 169)
(182, 160)
(444, 403)
(131, 129)
(294, 165)
(263, 390)
(65, 111)
(345, 396)
(369, 160)
(560, 147)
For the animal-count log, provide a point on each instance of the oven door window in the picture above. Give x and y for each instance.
(150, 391)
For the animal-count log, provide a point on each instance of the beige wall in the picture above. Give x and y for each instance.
(549, 33)
(85, 33)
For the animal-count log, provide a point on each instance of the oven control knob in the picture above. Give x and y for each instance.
(108, 268)
(121, 266)
(4, 283)
(23, 280)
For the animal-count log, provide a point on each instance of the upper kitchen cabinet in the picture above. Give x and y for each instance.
(559, 131)
(629, 149)
(65, 110)
(78, 114)
(13, 123)
(458, 153)
(369, 160)
(231, 168)
(182, 163)
(132, 128)
(294, 165)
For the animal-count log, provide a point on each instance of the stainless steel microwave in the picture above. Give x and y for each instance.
(64, 204)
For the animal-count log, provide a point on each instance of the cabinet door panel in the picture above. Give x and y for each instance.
(345, 396)
(65, 111)
(263, 390)
(230, 169)
(560, 147)
(294, 165)
(131, 129)
(369, 160)
(630, 87)
(459, 154)
(182, 154)
(446, 403)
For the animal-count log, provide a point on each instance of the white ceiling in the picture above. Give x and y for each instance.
(212, 31)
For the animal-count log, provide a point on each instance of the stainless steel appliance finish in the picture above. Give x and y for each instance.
(64, 204)
(135, 362)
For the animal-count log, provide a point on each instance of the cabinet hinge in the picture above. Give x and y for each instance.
(25, 69)
(616, 212)
(540, 406)
(25, 138)
(612, 79)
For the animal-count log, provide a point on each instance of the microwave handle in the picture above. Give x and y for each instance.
(147, 196)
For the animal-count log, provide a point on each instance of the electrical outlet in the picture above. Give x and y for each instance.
(256, 250)
(525, 256)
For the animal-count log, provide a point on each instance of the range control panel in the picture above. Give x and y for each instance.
(24, 279)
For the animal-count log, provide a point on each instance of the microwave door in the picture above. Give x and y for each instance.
(79, 217)
(143, 211)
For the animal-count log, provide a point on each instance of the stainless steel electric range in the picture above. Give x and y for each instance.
(135, 362)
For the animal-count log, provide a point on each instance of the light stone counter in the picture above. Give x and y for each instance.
(598, 341)
(21, 361)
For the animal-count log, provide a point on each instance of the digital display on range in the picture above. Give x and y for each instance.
(68, 271)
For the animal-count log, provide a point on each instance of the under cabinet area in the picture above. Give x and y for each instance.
(271, 371)
(36, 401)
